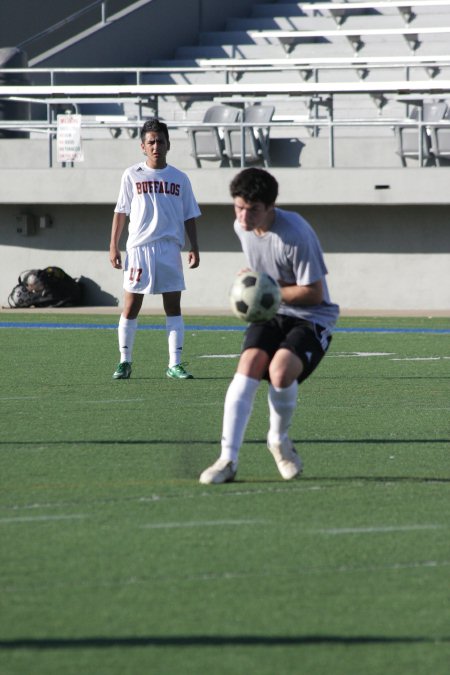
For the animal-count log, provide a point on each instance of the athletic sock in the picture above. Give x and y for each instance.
(237, 409)
(282, 403)
(175, 338)
(127, 332)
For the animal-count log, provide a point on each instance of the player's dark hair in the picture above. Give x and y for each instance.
(156, 125)
(255, 185)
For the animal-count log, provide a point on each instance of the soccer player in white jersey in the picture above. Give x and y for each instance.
(286, 349)
(161, 206)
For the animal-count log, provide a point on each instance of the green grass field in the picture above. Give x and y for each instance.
(114, 560)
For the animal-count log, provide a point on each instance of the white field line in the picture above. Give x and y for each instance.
(295, 572)
(331, 531)
(204, 523)
(376, 530)
(338, 355)
(112, 400)
(206, 576)
(19, 398)
(324, 569)
(346, 355)
(42, 519)
(151, 498)
(207, 494)
(423, 358)
(219, 356)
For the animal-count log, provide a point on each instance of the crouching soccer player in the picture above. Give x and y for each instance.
(288, 348)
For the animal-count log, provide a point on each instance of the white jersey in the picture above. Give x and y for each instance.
(158, 202)
(290, 251)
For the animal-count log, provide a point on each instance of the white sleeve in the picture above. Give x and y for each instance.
(125, 195)
(190, 207)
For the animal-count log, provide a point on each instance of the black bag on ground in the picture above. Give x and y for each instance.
(50, 287)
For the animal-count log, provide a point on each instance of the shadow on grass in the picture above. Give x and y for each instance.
(212, 641)
(260, 441)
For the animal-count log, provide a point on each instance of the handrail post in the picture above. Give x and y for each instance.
(103, 7)
(50, 136)
(331, 116)
(243, 140)
(420, 130)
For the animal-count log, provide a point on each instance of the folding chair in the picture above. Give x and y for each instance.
(440, 140)
(256, 138)
(207, 142)
(408, 136)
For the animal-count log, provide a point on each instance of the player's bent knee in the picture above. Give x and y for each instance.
(253, 363)
(284, 368)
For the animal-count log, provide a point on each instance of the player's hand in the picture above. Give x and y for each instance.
(115, 258)
(193, 259)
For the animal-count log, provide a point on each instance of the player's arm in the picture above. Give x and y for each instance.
(191, 231)
(311, 294)
(118, 223)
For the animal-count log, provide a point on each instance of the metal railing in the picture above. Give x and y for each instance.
(232, 69)
(101, 4)
(327, 125)
(317, 95)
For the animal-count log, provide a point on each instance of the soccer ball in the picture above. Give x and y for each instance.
(255, 296)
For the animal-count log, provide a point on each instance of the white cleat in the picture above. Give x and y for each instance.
(221, 471)
(285, 455)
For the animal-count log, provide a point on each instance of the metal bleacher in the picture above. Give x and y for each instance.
(335, 43)
(341, 76)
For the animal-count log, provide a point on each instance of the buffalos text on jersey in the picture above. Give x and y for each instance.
(157, 186)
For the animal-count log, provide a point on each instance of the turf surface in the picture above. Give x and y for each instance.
(114, 560)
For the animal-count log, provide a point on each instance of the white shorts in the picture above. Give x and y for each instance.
(154, 268)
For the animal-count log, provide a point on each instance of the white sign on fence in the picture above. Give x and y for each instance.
(68, 139)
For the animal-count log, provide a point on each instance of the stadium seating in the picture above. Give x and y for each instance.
(415, 141)
(340, 11)
(256, 138)
(412, 35)
(245, 54)
(440, 141)
(207, 141)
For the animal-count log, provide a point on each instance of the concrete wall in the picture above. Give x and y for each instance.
(389, 258)
(385, 232)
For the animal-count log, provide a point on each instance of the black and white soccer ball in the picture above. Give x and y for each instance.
(255, 296)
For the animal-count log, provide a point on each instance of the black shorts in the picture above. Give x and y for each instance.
(307, 340)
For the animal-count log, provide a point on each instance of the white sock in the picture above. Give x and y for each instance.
(127, 332)
(175, 337)
(282, 403)
(237, 409)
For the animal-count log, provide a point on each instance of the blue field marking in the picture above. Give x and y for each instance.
(107, 326)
